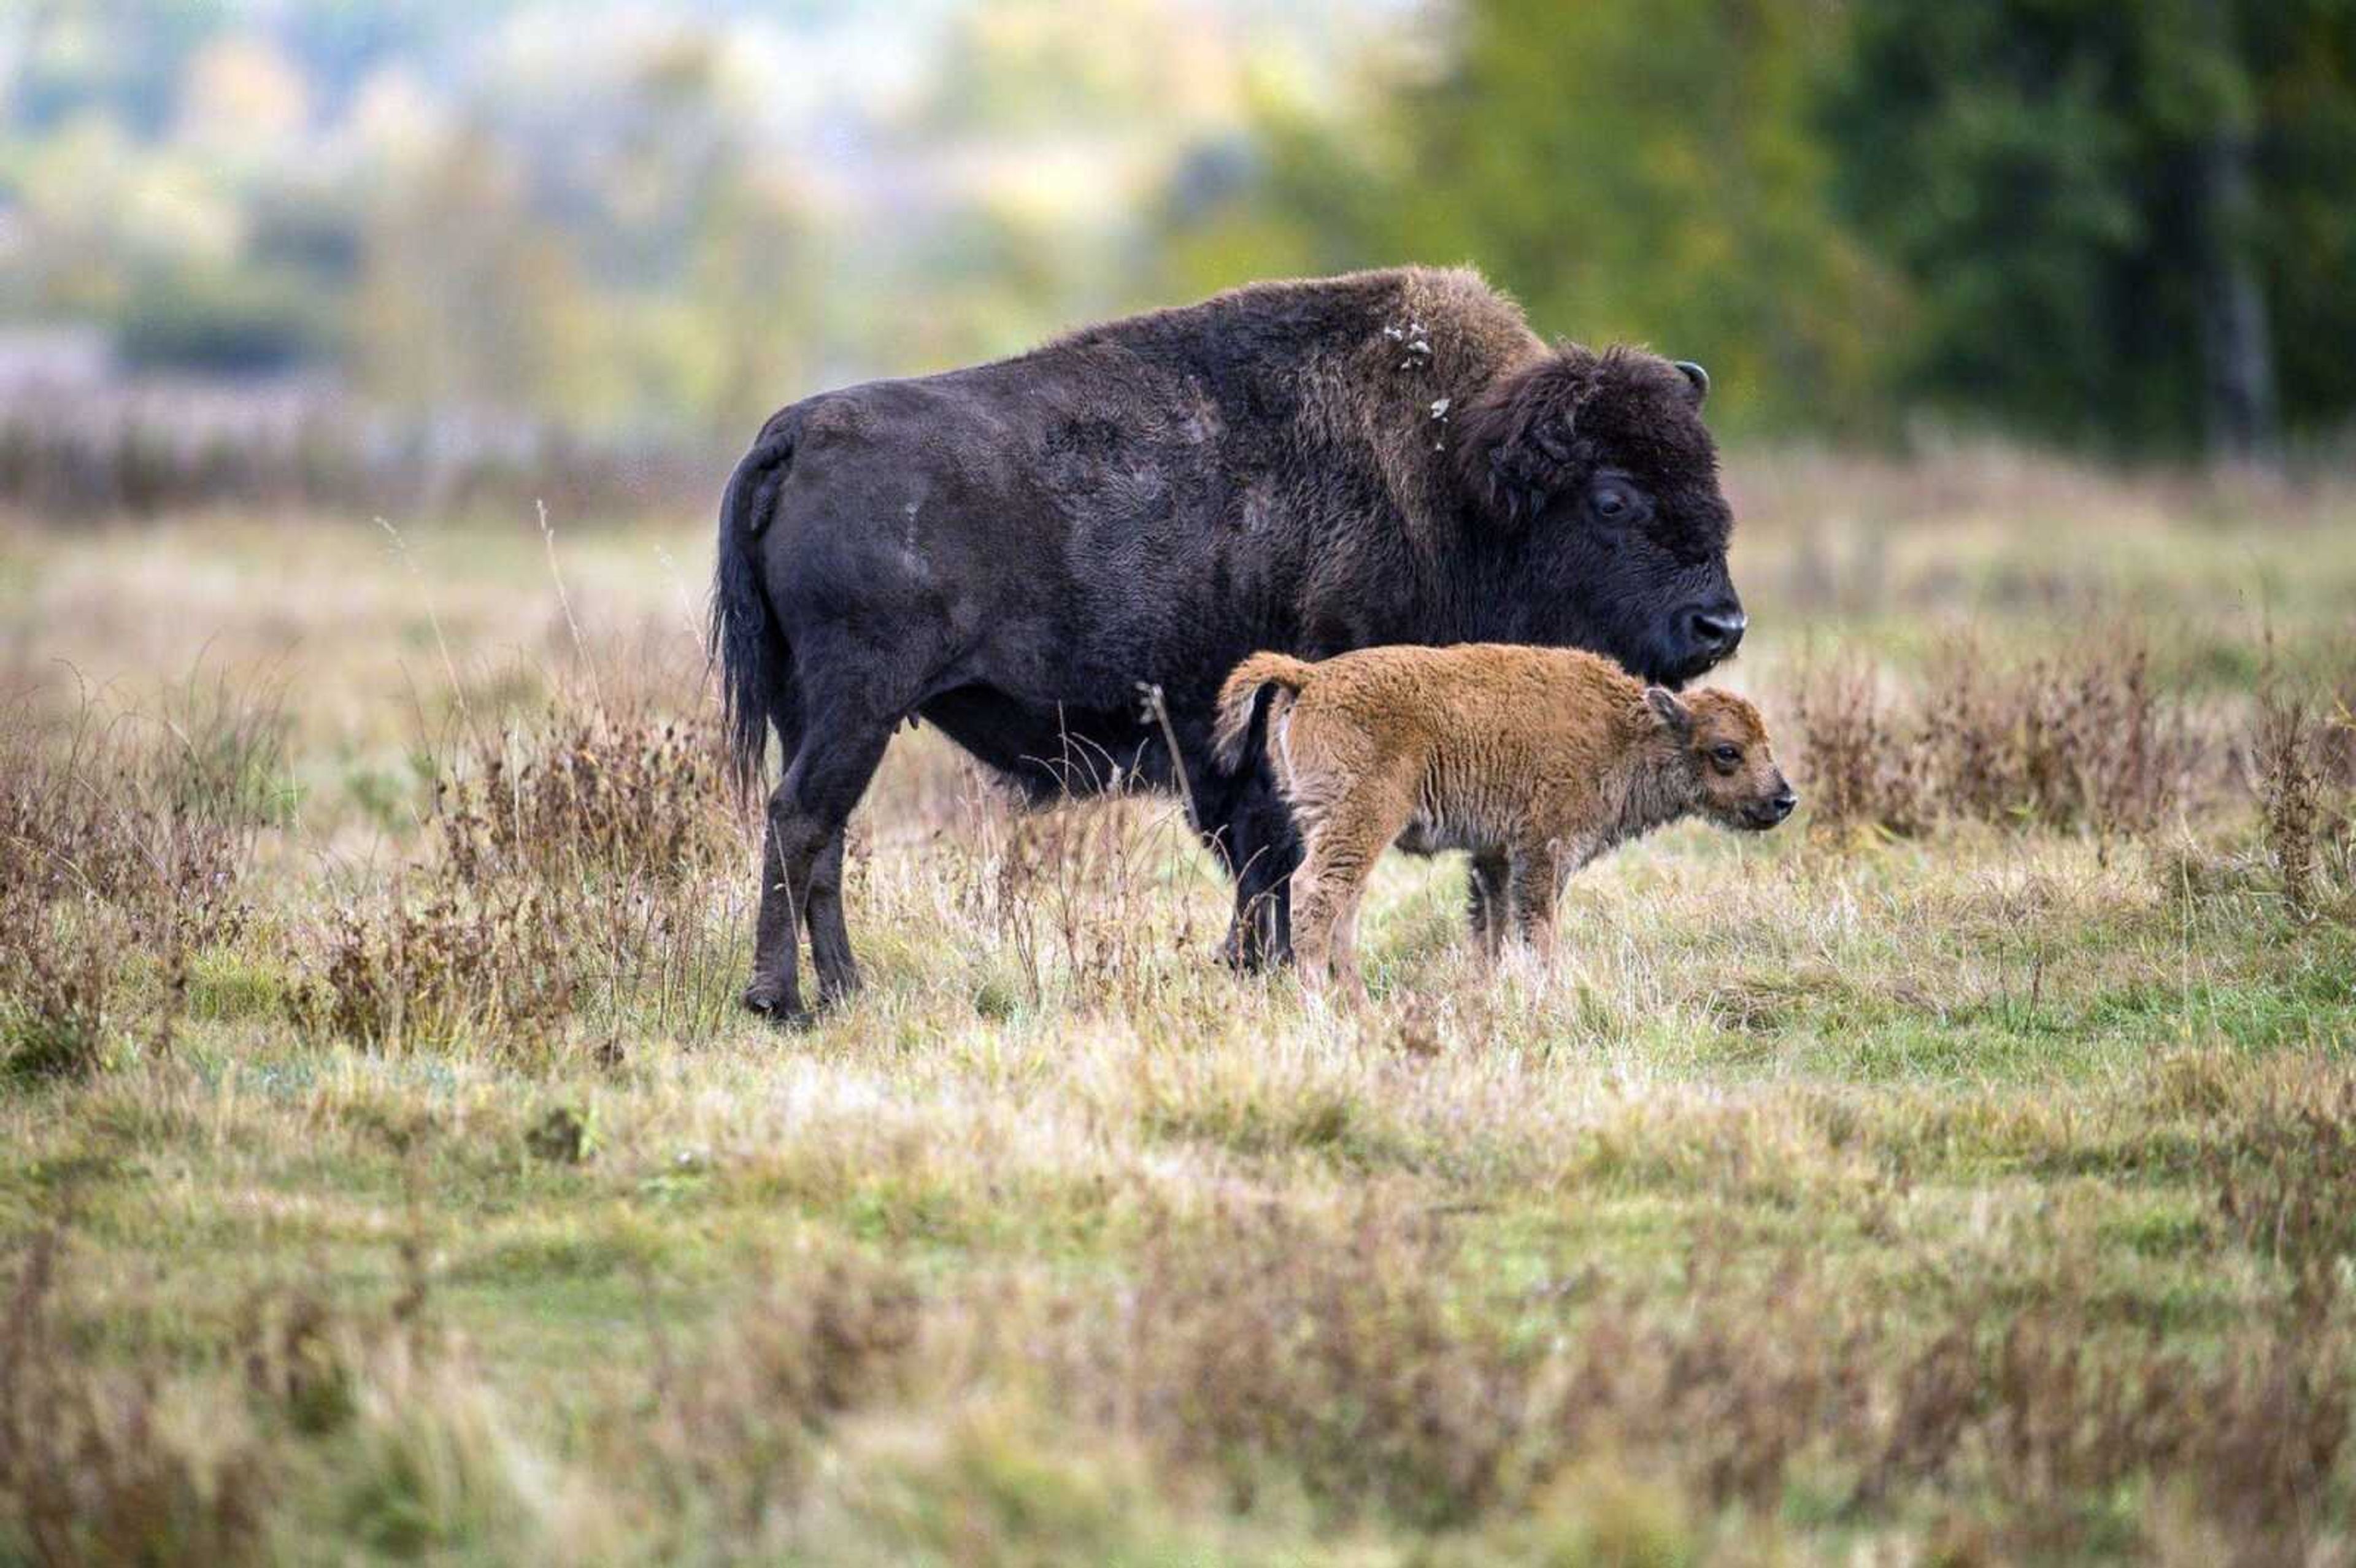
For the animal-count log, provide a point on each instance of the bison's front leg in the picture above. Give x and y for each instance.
(1262, 851)
(1488, 901)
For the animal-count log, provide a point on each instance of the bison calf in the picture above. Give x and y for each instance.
(1536, 760)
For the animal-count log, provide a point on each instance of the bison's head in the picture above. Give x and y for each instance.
(1598, 475)
(1726, 758)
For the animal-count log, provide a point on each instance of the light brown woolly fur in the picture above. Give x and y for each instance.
(1536, 760)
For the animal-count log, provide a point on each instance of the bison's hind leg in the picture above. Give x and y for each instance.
(802, 868)
(830, 938)
(774, 991)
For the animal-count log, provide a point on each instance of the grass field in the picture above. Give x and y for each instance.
(1965, 1173)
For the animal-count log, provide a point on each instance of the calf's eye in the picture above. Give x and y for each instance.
(1725, 756)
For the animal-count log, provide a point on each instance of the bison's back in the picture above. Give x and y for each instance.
(1140, 502)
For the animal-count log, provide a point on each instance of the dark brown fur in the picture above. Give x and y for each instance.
(1011, 552)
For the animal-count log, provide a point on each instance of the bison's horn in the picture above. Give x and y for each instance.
(1698, 376)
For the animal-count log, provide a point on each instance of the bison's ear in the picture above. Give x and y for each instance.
(1674, 716)
(1518, 445)
(1698, 379)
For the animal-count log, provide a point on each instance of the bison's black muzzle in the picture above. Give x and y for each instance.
(1699, 640)
(1717, 632)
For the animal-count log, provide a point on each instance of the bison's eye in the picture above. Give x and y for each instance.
(1726, 757)
(1613, 502)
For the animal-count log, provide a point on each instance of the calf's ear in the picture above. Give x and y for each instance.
(1674, 717)
(1517, 443)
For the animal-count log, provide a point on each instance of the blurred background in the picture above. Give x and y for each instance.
(413, 254)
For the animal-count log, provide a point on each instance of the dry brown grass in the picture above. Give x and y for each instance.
(91, 1469)
(1356, 1353)
(2288, 757)
(602, 796)
(1971, 1192)
(397, 973)
(570, 864)
(122, 836)
(2085, 738)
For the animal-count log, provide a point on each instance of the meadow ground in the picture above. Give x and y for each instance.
(1965, 1173)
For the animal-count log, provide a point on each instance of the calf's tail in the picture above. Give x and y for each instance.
(1242, 711)
(756, 666)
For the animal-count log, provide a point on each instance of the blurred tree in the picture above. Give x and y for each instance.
(2111, 213)
(240, 93)
(1048, 68)
(754, 303)
(2129, 222)
(2302, 64)
(1644, 170)
(466, 297)
(1648, 171)
(1301, 194)
(225, 320)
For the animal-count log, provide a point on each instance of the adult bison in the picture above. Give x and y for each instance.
(1015, 552)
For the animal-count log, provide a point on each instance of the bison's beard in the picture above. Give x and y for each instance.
(1652, 659)
(1675, 675)
(1632, 613)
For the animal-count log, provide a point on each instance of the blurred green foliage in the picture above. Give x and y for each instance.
(1644, 172)
(2102, 222)
(2042, 175)
(2007, 211)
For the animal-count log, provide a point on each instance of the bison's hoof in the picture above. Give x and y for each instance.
(1254, 957)
(772, 1003)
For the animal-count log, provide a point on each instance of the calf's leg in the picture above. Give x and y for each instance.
(1532, 883)
(1317, 887)
(1340, 855)
(1345, 947)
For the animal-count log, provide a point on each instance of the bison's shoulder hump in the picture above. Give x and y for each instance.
(1348, 304)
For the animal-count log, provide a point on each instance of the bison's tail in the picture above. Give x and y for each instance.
(756, 668)
(1242, 714)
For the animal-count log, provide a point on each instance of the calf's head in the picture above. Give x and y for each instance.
(1596, 472)
(1721, 750)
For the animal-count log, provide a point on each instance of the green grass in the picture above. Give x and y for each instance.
(1973, 1197)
